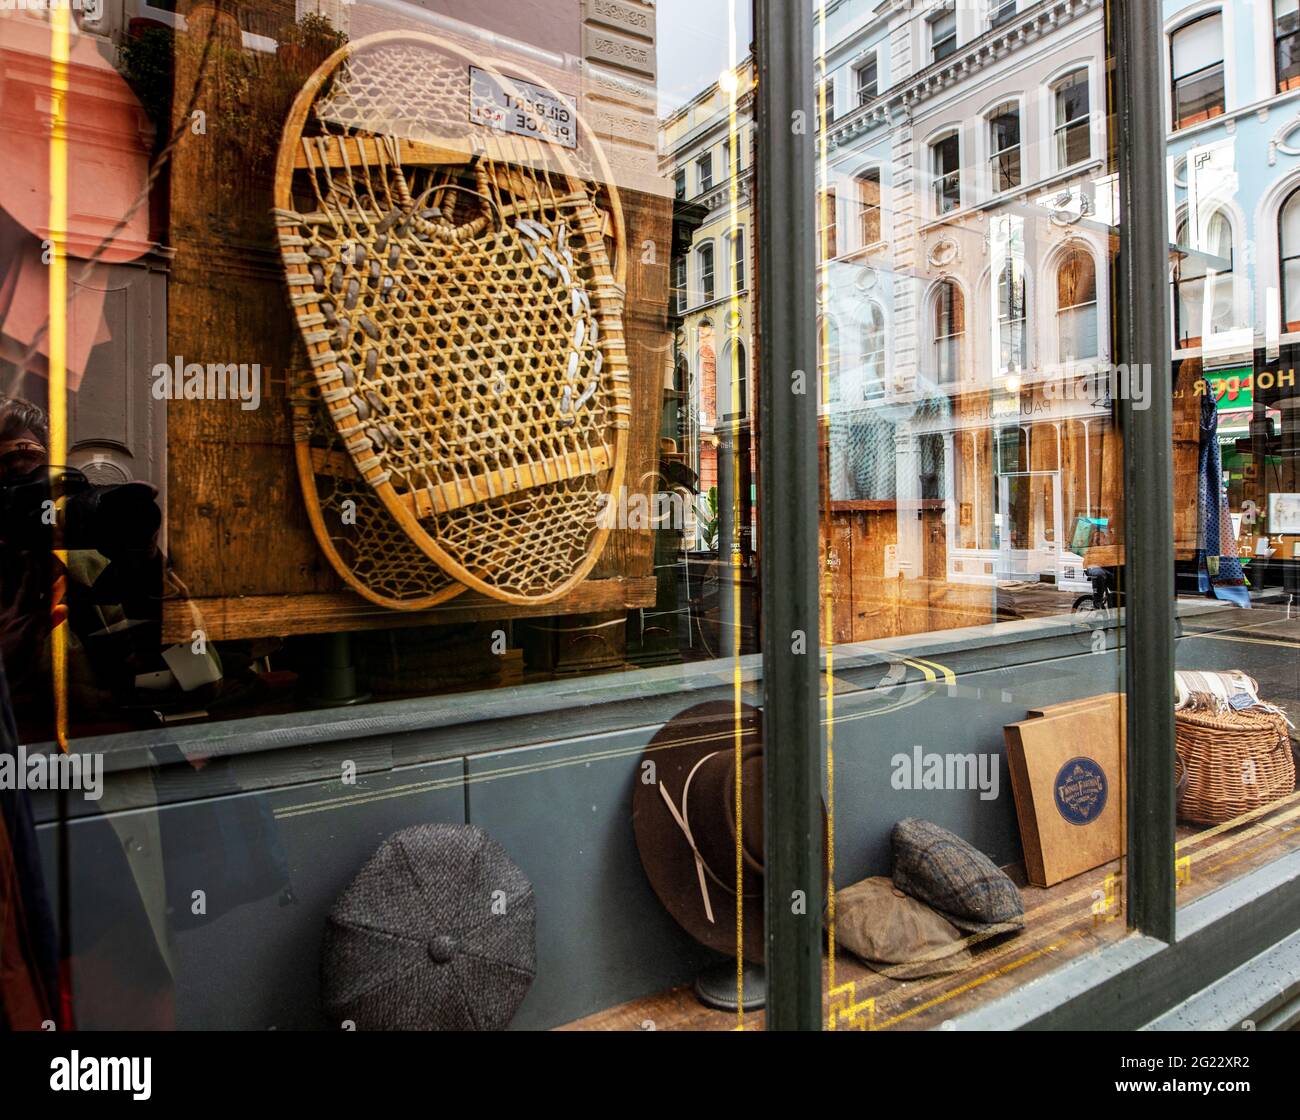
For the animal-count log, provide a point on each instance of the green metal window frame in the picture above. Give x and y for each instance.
(1169, 955)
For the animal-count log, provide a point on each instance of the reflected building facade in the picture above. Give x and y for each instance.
(967, 214)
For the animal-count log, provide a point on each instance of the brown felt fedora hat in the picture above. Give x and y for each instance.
(684, 817)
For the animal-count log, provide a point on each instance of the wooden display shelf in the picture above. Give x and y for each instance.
(266, 616)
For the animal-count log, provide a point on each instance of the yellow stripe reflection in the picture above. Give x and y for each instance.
(60, 25)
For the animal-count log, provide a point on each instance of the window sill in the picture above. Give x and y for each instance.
(1216, 935)
(1064, 174)
(717, 301)
(851, 256)
(1264, 104)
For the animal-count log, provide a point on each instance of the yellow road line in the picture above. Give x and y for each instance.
(949, 677)
(927, 670)
(1249, 641)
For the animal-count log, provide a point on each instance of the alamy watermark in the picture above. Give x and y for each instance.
(930, 770)
(216, 381)
(1100, 386)
(38, 770)
(662, 510)
(102, 1074)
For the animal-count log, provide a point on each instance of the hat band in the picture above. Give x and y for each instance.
(703, 871)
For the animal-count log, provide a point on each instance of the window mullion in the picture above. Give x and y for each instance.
(1134, 34)
(788, 511)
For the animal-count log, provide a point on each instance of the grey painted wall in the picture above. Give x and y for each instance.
(273, 858)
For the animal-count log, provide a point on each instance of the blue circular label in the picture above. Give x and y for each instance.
(1080, 790)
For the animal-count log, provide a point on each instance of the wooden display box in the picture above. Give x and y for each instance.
(1067, 775)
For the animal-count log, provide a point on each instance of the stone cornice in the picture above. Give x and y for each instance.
(720, 193)
(1029, 26)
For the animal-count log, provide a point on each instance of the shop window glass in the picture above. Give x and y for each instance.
(382, 422)
(1000, 459)
(427, 555)
(1234, 423)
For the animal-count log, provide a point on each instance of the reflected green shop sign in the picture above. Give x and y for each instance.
(1233, 388)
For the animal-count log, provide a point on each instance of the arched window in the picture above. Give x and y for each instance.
(740, 379)
(949, 330)
(1288, 242)
(828, 335)
(1203, 280)
(873, 353)
(1196, 64)
(704, 264)
(1076, 306)
(1013, 340)
(733, 382)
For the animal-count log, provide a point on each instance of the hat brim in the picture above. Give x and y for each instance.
(957, 961)
(987, 929)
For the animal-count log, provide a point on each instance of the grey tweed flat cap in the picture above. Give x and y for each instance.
(436, 933)
(958, 880)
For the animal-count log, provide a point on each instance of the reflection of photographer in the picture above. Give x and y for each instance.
(74, 551)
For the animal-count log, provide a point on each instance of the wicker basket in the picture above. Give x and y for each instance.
(1235, 762)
